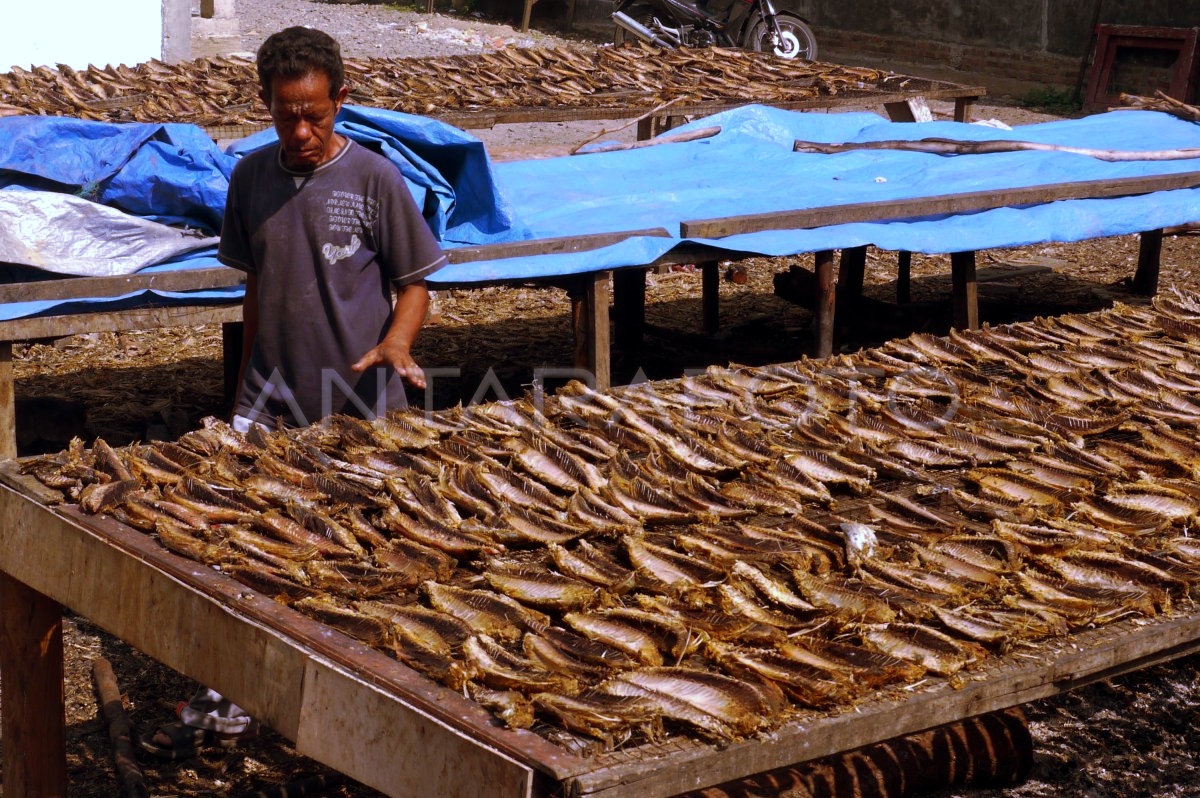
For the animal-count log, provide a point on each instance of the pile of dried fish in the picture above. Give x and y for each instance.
(717, 553)
(224, 90)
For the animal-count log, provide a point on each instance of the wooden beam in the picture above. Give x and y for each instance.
(1145, 279)
(710, 295)
(826, 296)
(150, 318)
(965, 288)
(90, 287)
(968, 202)
(32, 708)
(548, 246)
(589, 319)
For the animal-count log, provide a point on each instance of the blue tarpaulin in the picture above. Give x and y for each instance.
(748, 168)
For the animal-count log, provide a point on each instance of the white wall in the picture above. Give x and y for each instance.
(79, 32)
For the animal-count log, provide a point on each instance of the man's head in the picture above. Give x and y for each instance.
(302, 79)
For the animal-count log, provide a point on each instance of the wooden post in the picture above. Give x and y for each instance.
(710, 295)
(852, 273)
(966, 290)
(589, 316)
(231, 349)
(914, 109)
(32, 708)
(904, 277)
(826, 296)
(8, 409)
(629, 307)
(1145, 279)
(962, 108)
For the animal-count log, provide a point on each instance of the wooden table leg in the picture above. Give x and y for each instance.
(826, 295)
(904, 277)
(966, 290)
(8, 408)
(32, 708)
(629, 308)
(1145, 279)
(852, 274)
(710, 295)
(589, 316)
(231, 355)
(525, 14)
(962, 108)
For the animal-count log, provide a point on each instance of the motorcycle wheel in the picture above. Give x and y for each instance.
(797, 40)
(640, 12)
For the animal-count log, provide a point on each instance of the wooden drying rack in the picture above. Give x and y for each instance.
(365, 714)
(589, 292)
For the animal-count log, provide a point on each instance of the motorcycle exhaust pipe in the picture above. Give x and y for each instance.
(641, 31)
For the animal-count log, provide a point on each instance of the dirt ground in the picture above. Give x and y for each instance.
(1130, 736)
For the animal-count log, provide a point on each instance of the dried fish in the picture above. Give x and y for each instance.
(541, 588)
(601, 715)
(926, 647)
(484, 611)
(805, 684)
(488, 661)
(716, 705)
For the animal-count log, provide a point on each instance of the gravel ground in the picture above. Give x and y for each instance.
(1132, 736)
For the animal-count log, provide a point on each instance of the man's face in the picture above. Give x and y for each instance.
(303, 114)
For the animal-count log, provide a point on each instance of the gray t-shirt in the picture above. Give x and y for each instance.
(327, 246)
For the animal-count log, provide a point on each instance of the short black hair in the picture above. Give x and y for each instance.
(297, 51)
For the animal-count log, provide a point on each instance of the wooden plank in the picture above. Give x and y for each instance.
(91, 287)
(1069, 663)
(826, 295)
(965, 289)
(548, 246)
(32, 708)
(967, 202)
(710, 296)
(451, 764)
(1145, 279)
(137, 319)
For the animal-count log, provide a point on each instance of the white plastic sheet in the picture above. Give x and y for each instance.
(67, 235)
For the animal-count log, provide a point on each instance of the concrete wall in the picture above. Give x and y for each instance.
(1035, 41)
(100, 32)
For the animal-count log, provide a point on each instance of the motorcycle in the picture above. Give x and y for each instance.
(750, 24)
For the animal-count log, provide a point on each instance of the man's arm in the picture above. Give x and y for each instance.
(395, 348)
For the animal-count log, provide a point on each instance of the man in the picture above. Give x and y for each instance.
(324, 229)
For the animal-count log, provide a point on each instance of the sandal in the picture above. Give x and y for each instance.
(179, 741)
